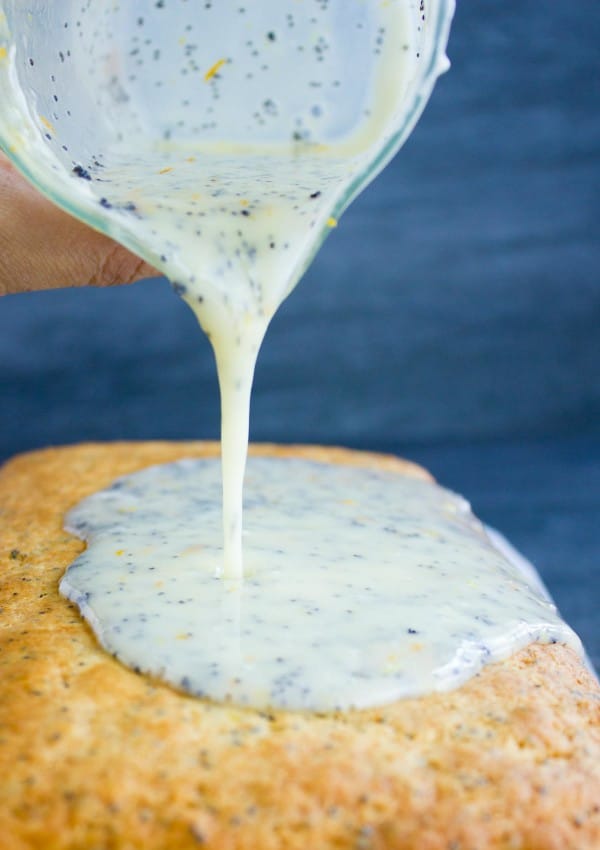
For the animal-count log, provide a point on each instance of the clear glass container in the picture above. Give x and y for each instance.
(82, 83)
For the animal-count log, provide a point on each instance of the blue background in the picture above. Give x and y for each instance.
(452, 317)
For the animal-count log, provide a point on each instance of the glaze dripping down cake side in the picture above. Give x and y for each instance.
(93, 754)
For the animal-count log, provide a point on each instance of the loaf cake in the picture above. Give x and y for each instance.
(93, 755)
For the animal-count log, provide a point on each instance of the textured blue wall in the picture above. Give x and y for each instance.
(458, 299)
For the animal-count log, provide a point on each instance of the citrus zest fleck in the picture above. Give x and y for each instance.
(212, 71)
(47, 124)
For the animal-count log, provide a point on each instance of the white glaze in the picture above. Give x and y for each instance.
(361, 586)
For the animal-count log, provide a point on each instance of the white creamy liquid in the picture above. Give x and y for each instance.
(233, 250)
(360, 587)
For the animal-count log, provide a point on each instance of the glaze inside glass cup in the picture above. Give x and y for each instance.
(85, 86)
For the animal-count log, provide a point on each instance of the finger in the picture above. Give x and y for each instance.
(42, 247)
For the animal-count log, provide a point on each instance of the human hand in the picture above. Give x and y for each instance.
(42, 247)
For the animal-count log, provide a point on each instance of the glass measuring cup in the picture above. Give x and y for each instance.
(80, 81)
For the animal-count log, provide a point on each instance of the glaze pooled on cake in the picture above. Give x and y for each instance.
(362, 586)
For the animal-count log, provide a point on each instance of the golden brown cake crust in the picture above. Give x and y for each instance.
(95, 757)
